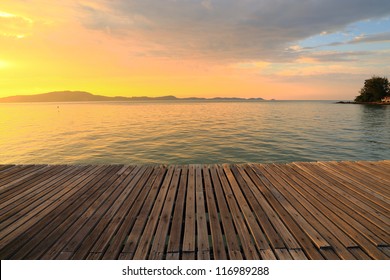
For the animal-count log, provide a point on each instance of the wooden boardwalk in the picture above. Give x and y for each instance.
(322, 210)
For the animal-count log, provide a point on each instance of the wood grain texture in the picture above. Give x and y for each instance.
(293, 211)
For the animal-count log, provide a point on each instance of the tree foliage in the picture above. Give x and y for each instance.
(374, 90)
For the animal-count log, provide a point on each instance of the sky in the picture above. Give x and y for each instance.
(279, 49)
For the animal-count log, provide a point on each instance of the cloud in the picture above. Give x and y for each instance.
(207, 5)
(228, 29)
(14, 26)
(338, 56)
(331, 66)
(258, 65)
(371, 38)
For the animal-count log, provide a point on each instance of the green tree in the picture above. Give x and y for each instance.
(374, 90)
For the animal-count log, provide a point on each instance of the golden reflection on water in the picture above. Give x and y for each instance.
(192, 132)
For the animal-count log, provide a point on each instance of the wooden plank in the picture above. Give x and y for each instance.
(203, 247)
(147, 237)
(272, 235)
(258, 235)
(379, 182)
(283, 254)
(303, 217)
(8, 168)
(10, 183)
(376, 204)
(247, 243)
(386, 251)
(230, 233)
(359, 254)
(371, 249)
(269, 219)
(26, 185)
(328, 190)
(343, 212)
(115, 212)
(12, 168)
(51, 229)
(79, 212)
(351, 216)
(97, 239)
(175, 236)
(120, 237)
(94, 256)
(372, 183)
(173, 256)
(5, 166)
(333, 236)
(188, 256)
(87, 220)
(139, 227)
(13, 177)
(14, 173)
(344, 191)
(268, 254)
(189, 240)
(383, 164)
(376, 168)
(377, 172)
(218, 246)
(41, 221)
(264, 184)
(305, 195)
(45, 209)
(361, 185)
(23, 203)
(115, 233)
(64, 256)
(23, 191)
(330, 254)
(360, 177)
(157, 250)
(297, 254)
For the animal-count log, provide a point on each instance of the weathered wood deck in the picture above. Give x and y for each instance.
(323, 210)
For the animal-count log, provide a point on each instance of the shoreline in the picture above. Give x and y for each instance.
(364, 103)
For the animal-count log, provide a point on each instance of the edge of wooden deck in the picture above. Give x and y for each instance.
(299, 210)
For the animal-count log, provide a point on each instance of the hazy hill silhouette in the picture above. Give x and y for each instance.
(80, 96)
(57, 96)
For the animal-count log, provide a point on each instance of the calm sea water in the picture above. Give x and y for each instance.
(192, 132)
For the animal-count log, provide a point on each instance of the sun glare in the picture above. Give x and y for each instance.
(9, 15)
(6, 15)
(3, 64)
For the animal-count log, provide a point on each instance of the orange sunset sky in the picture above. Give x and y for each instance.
(309, 49)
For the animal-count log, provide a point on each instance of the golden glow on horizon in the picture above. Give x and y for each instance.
(46, 50)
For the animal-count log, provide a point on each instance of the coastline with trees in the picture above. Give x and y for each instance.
(376, 90)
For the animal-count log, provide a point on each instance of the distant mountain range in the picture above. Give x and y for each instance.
(80, 96)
